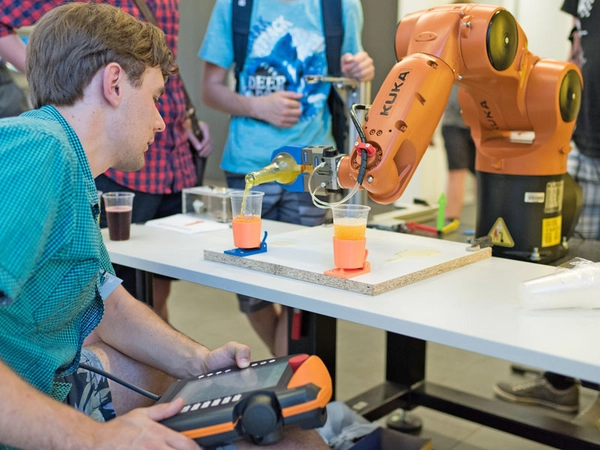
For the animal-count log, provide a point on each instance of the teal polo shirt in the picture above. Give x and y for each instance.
(51, 248)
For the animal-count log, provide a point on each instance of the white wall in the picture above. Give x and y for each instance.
(546, 27)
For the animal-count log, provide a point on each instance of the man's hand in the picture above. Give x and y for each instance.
(359, 66)
(204, 147)
(229, 354)
(139, 429)
(281, 108)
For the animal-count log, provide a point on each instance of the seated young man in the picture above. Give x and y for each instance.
(95, 76)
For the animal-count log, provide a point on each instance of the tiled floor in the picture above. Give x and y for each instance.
(211, 316)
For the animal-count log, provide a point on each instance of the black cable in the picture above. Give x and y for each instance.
(363, 167)
(140, 391)
(363, 138)
(355, 121)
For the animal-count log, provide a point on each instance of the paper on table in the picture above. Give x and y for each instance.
(187, 224)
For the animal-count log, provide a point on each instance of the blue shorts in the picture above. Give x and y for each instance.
(90, 392)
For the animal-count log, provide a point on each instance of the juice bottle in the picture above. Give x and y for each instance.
(284, 169)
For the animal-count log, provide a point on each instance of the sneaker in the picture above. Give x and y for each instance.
(539, 391)
(590, 417)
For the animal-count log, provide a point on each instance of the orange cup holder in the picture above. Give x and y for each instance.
(349, 254)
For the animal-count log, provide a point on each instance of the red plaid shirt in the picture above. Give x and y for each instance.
(169, 166)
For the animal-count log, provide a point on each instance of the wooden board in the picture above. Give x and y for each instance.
(396, 259)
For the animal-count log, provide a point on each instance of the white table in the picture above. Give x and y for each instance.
(474, 308)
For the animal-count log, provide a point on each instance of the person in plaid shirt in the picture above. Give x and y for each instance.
(168, 165)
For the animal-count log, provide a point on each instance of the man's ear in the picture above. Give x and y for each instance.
(113, 79)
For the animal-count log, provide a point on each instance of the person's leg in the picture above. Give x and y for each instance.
(455, 193)
(281, 333)
(161, 288)
(264, 321)
(264, 317)
(271, 322)
(133, 372)
(559, 381)
(460, 152)
(298, 208)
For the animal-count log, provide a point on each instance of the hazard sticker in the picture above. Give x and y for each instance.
(551, 231)
(500, 234)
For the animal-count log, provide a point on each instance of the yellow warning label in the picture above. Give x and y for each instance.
(551, 231)
(500, 234)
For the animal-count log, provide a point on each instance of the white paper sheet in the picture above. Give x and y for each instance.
(187, 224)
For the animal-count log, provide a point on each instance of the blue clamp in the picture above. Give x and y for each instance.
(249, 251)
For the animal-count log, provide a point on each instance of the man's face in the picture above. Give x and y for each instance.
(138, 120)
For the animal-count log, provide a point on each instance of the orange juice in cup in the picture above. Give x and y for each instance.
(349, 229)
(246, 231)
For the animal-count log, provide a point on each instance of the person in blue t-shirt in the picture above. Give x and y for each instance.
(274, 106)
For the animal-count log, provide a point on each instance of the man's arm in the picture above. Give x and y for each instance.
(281, 108)
(17, 14)
(576, 53)
(12, 49)
(32, 420)
(135, 330)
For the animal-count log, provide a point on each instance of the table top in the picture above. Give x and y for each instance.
(474, 307)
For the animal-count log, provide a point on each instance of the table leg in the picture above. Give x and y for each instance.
(143, 287)
(405, 359)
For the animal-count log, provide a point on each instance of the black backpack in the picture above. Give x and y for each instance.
(334, 35)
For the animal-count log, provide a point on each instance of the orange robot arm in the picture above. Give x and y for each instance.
(505, 91)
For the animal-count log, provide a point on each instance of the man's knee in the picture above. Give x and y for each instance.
(133, 372)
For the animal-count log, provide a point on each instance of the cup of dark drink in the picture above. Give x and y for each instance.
(118, 207)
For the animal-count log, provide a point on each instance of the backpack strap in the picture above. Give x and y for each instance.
(240, 27)
(334, 34)
(334, 37)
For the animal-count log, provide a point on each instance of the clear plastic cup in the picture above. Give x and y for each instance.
(349, 242)
(566, 288)
(118, 207)
(246, 223)
(350, 221)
